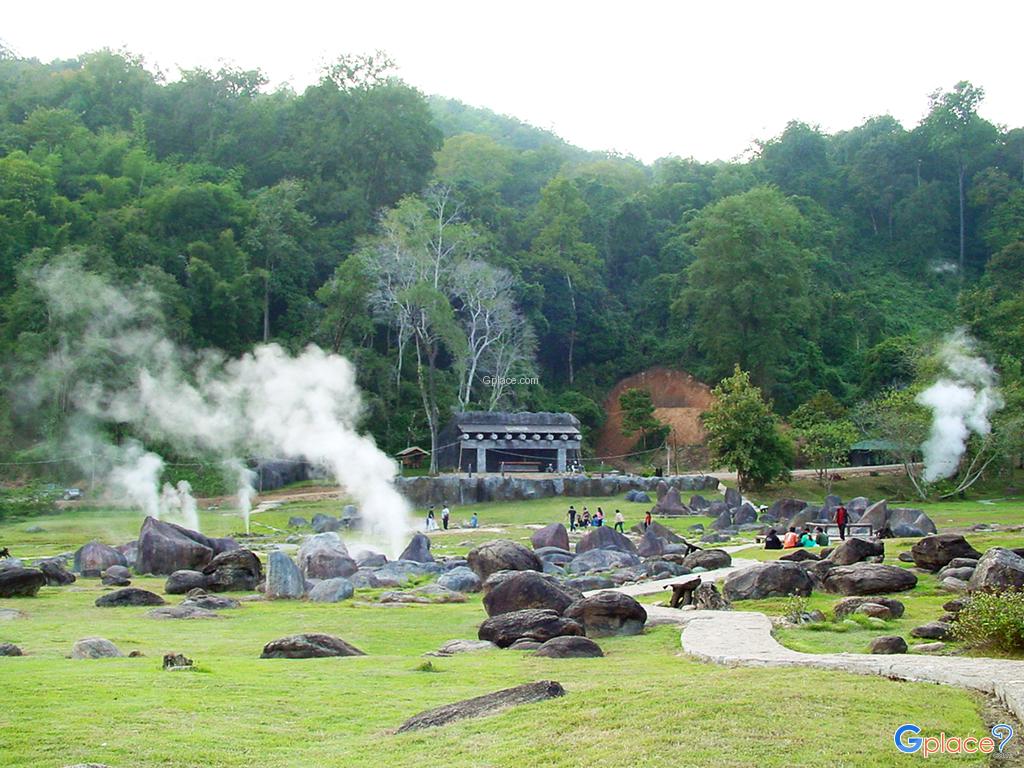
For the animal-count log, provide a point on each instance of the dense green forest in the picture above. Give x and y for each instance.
(442, 247)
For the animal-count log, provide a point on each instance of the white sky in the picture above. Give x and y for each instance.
(701, 79)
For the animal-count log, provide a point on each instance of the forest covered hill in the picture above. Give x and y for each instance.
(444, 248)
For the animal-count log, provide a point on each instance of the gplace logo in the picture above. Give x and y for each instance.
(908, 741)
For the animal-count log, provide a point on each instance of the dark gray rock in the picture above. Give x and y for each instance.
(662, 532)
(608, 613)
(569, 648)
(21, 582)
(297, 522)
(650, 545)
(776, 579)
(553, 535)
(461, 579)
(284, 579)
(129, 596)
(601, 560)
(182, 611)
(698, 503)
(366, 578)
(95, 648)
(935, 552)
(165, 548)
(848, 605)
(308, 646)
(482, 706)
(95, 557)
(237, 570)
(708, 559)
(670, 505)
(502, 555)
(733, 498)
(588, 583)
(332, 591)
(856, 550)
(869, 579)
(706, 597)
(888, 644)
(10, 649)
(116, 576)
(367, 559)
(744, 515)
(606, 538)
(418, 550)
(933, 630)
(535, 624)
(200, 599)
(715, 538)
(324, 556)
(180, 582)
(799, 556)
(325, 523)
(785, 509)
(55, 573)
(998, 570)
(510, 591)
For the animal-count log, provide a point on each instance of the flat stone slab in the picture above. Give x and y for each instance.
(481, 706)
(743, 638)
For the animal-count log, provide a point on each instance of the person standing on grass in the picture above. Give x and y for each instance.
(647, 520)
(431, 522)
(572, 518)
(445, 514)
(842, 518)
(474, 521)
(620, 522)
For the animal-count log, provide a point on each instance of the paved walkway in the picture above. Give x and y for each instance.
(744, 638)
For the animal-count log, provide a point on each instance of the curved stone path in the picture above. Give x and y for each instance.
(744, 638)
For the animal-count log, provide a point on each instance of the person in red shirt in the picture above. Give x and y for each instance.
(841, 520)
(647, 520)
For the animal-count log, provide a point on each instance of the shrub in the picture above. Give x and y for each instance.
(992, 621)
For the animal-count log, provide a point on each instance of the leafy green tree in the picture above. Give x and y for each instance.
(744, 433)
(994, 308)
(824, 434)
(638, 416)
(747, 292)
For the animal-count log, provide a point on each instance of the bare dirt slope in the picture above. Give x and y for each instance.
(678, 400)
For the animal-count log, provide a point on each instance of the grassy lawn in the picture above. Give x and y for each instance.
(645, 704)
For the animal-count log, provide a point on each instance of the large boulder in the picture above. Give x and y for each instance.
(129, 596)
(520, 590)
(784, 509)
(605, 537)
(997, 570)
(418, 550)
(502, 555)
(462, 579)
(324, 556)
(95, 557)
(553, 535)
(180, 582)
(659, 530)
(569, 647)
(733, 498)
(848, 605)
(935, 552)
(325, 523)
(95, 648)
(55, 572)
(534, 623)
(877, 516)
(777, 579)
(601, 560)
(888, 644)
(670, 505)
(608, 613)
(237, 570)
(21, 582)
(284, 579)
(868, 579)
(332, 591)
(856, 550)
(651, 545)
(708, 559)
(308, 646)
(165, 548)
(116, 576)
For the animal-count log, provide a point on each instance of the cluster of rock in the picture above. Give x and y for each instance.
(422, 491)
(349, 519)
(885, 521)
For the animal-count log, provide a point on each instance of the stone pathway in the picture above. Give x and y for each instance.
(744, 638)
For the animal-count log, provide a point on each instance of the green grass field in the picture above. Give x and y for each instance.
(644, 704)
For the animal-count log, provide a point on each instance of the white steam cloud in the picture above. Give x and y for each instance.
(121, 369)
(962, 403)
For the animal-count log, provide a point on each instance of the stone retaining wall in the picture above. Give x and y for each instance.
(454, 489)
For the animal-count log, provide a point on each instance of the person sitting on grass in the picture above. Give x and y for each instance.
(820, 537)
(806, 539)
(791, 540)
(772, 540)
(585, 518)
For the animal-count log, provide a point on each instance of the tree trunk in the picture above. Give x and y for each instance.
(572, 331)
(427, 405)
(266, 309)
(960, 182)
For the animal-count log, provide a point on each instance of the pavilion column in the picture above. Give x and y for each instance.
(561, 459)
(481, 459)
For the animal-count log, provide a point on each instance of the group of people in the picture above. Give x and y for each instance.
(584, 519)
(793, 539)
(446, 515)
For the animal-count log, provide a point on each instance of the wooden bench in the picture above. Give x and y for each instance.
(859, 530)
(520, 466)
